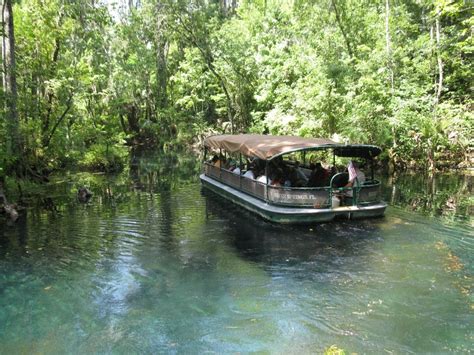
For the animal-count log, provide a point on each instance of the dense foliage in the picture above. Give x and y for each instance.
(95, 76)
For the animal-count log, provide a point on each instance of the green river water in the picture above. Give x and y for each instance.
(154, 265)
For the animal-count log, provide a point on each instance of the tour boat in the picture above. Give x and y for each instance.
(273, 197)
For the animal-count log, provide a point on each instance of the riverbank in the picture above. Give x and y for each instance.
(435, 194)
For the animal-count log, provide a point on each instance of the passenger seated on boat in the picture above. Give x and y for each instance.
(296, 180)
(259, 164)
(250, 173)
(354, 173)
(275, 182)
(273, 169)
(340, 180)
(236, 170)
(291, 178)
(319, 176)
(276, 164)
(262, 177)
(231, 165)
(301, 175)
(276, 178)
(286, 179)
(218, 161)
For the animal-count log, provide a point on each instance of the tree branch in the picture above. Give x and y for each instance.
(341, 27)
(60, 119)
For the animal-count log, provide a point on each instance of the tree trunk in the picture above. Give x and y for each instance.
(439, 59)
(161, 58)
(133, 119)
(228, 7)
(388, 49)
(131, 6)
(46, 117)
(9, 81)
(162, 74)
(388, 44)
(431, 157)
(341, 27)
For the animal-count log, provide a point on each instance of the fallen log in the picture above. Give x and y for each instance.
(84, 194)
(9, 209)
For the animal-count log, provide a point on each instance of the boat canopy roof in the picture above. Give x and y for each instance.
(268, 147)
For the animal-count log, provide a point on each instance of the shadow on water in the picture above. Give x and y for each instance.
(325, 244)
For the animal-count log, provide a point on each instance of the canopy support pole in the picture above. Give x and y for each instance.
(372, 168)
(240, 171)
(266, 175)
(204, 167)
(220, 164)
(331, 192)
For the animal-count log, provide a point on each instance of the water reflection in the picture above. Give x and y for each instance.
(447, 195)
(162, 172)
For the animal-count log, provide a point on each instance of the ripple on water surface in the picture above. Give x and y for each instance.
(178, 271)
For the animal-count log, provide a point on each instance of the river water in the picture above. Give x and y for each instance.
(151, 264)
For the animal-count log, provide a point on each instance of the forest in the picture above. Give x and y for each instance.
(85, 81)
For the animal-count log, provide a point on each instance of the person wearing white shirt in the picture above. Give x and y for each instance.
(262, 178)
(249, 174)
(354, 174)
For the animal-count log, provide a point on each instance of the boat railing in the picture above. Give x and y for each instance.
(369, 192)
(230, 178)
(315, 197)
(362, 194)
(212, 171)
